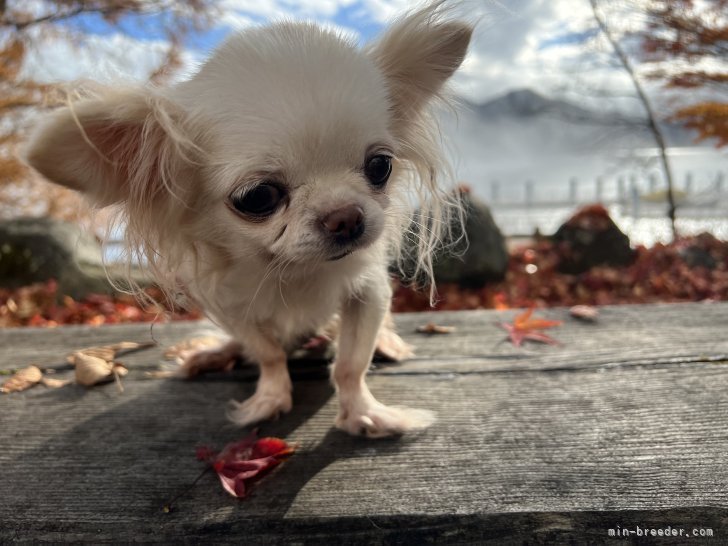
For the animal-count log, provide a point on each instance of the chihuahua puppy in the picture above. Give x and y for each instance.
(273, 188)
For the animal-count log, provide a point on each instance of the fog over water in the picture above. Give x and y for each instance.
(523, 148)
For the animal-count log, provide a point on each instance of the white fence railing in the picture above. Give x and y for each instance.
(637, 195)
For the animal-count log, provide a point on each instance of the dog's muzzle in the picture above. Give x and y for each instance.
(344, 229)
(345, 225)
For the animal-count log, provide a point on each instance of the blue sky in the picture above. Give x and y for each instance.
(550, 46)
(151, 27)
(521, 43)
(566, 38)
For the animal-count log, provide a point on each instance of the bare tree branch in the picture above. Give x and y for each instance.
(646, 103)
(55, 17)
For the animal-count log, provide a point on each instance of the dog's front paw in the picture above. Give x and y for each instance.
(197, 359)
(375, 420)
(262, 406)
(391, 346)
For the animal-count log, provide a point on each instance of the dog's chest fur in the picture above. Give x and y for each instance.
(291, 303)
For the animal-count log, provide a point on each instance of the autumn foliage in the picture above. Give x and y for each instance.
(689, 40)
(31, 26)
(690, 269)
(709, 119)
(41, 305)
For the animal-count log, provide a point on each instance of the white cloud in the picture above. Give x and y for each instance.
(508, 46)
(505, 53)
(518, 43)
(276, 9)
(235, 20)
(383, 11)
(35, 8)
(106, 59)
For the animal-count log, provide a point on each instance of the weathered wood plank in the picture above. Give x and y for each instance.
(624, 335)
(626, 427)
(581, 527)
(611, 440)
(500, 529)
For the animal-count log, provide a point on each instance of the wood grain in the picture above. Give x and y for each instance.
(624, 424)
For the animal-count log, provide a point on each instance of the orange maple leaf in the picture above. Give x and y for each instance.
(525, 328)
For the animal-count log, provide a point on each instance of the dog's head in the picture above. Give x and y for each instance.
(290, 143)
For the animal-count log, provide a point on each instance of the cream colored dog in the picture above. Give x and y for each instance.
(273, 189)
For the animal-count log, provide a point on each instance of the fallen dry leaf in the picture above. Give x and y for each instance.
(109, 352)
(92, 370)
(22, 380)
(432, 328)
(182, 350)
(584, 312)
(104, 353)
(164, 374)
(525, 322)
(525, 328)
(52, 383)
(240, 464)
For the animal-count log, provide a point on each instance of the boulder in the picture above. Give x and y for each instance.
(37, 249)
(590, 238)
(703, 250)
(475, 259)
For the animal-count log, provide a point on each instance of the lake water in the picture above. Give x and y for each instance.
(543, 192)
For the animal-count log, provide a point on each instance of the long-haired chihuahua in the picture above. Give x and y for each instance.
(273, 188)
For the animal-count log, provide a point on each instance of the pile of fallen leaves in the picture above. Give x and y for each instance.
(42, 305)
(690, 269)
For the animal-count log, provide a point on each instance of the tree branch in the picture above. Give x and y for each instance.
(55, 17)
(109, 10)
(646, 103)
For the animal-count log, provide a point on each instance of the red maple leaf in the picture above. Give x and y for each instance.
(525, 328)
(241, 463)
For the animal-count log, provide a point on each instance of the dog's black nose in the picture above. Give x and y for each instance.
(345, 224)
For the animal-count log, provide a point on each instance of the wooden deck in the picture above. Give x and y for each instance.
(624, 425)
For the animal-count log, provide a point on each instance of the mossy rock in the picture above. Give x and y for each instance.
(472, 260)
(38, 249)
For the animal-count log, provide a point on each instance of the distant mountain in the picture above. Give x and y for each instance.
(524, 103)
(523, 135)
(525, 106)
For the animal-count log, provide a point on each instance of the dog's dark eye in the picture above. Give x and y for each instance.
(377, 169)
(260, 201)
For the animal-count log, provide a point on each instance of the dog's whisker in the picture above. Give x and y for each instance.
(268, 270)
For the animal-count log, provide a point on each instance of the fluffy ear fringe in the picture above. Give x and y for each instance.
(110, 143)
(417, 55)
(125, 147)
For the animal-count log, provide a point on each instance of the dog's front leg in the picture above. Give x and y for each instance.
(359, 412)
(273, 392)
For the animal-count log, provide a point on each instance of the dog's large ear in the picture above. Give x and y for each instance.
(105, 147)
(417, 55)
